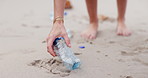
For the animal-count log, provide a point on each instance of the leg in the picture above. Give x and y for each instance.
(91, 31)
(121, 27)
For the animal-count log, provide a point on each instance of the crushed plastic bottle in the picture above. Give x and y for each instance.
(65, 53)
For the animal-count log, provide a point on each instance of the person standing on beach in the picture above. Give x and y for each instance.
(58, 29)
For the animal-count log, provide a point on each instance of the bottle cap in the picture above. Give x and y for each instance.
(57, 39)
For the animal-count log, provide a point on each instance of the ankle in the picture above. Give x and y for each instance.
(94, 25)
(121, 24)
(121, 20)
(94, 21)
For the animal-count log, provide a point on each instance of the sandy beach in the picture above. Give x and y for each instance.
(25, 24)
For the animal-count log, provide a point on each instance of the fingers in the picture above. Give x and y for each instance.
(49, 45)
(67, 40)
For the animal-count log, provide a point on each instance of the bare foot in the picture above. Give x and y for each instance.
(122, 30)
(90, 32)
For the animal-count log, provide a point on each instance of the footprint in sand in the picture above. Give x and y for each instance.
(136, 51)
(142, 58)
(53, 65)
(141, 49)
(125, 53)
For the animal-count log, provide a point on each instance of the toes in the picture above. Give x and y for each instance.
(123, 32)
(119, 33)
(89, 34)
(127, 33)
(91, 37)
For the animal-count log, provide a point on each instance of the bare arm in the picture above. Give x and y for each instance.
(58, 29)
(59, 8)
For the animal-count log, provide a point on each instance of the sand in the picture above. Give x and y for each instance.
(25, 24)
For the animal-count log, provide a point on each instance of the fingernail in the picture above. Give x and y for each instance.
(69, 45)
(53, 55)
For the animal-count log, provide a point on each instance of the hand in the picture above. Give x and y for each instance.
(58, 30)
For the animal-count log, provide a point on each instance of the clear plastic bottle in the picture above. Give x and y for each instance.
(65, 53)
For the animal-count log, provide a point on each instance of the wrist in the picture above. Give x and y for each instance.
(58, 24)
(59, 20)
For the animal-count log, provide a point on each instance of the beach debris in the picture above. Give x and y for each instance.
(44, 41)
(103, 18)
(70, 33)
(70, 61)
(82, 47)
(68, 5)
(91, 42)
(51, 15)
(77, 53)
(65, 13)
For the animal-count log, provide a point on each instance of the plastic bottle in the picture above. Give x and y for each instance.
(65, 53)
